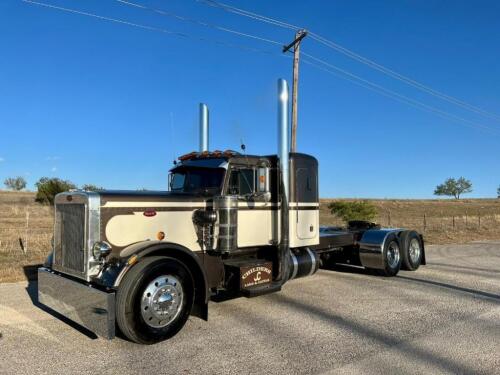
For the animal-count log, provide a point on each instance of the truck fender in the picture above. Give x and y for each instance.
(173, 250)
(424, 262)
(371, 246)
(49, 260)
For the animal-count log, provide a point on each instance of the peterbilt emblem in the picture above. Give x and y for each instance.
(256, 275)
(149, 213)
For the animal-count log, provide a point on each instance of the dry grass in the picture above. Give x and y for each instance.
(439, 216)
(441, 221)
(22, 246)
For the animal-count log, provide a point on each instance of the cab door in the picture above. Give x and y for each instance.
(254, 214)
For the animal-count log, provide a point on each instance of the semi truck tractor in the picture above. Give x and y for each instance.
(230, 225)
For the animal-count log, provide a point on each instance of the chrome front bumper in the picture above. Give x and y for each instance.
(85, 305)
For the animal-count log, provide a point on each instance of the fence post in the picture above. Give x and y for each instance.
(453, 222)
(26, 232)
(466, 219)
(389, 217)
(425, 222)
(479, 218)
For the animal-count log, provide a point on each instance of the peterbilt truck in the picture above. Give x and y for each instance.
(231, 225)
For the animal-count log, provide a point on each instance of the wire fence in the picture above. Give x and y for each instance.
(18, 239)
(28, 234)
(31, 237)
(427, 222)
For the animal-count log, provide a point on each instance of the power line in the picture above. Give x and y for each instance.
(344, 74)
(351, 54)
(372, 64)
(246, 13)
(197, 22)
(150, 28)
(367, 84)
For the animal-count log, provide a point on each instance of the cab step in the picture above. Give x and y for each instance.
(261, 290)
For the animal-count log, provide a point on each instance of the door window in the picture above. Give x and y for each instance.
(242, 182)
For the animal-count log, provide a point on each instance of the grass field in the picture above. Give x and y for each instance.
(25, 233)
(26, 226)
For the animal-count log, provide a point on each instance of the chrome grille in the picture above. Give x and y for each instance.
(69, 238)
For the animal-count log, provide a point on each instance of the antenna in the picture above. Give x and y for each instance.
(172, 136)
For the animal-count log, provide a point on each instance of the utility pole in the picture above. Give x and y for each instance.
(301, 34)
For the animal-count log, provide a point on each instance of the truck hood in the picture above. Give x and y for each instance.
(149, 196)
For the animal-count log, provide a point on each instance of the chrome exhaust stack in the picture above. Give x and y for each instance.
(203, 127)
(284, 167)
(284, 136)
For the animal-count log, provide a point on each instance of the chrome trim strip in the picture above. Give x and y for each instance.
(92, 230)
(313, 261)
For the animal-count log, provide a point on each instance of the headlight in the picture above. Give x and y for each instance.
(101, 249)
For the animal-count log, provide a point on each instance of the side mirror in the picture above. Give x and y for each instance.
(170, 182)
(263, 185)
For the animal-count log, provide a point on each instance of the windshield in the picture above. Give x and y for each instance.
(197, 180)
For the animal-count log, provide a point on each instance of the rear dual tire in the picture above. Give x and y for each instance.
(413, 252)
(391, 254)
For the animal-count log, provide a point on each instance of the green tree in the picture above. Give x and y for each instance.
(498, 192)
(48, 188)
(357, 210)
(15, 183)
(92, 187)
(454, 188)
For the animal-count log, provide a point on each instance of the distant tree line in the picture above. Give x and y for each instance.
(456, 187)
(47, 188)
(15, 183)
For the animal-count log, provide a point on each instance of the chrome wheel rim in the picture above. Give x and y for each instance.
(414, 251)
(162, 301)
(393, 255)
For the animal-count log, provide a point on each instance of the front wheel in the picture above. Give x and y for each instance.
(154, 300)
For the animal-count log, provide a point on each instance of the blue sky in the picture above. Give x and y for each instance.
(105, 103)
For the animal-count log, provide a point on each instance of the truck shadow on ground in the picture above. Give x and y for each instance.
(407, 348)
(494, 297)
(454, 267)
(32, 289)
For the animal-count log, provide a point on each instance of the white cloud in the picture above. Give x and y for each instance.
(53, 169)
(2, 159)
(52, 158)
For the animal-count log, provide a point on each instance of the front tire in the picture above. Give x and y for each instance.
(154, 300)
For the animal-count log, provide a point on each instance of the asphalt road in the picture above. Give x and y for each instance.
(444, 318)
